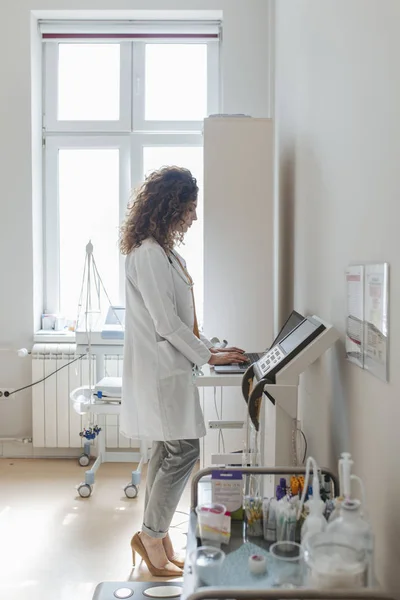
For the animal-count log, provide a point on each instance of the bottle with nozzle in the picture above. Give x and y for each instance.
(315, 521)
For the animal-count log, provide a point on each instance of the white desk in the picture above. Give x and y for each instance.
(218, 406)
(210, 400)
(208, 379)
(212, 379)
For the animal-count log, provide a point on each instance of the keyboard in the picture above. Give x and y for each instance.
(252, 357)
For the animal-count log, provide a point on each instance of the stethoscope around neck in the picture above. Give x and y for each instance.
(178, 270)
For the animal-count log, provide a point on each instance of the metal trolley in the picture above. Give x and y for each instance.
(238, 529)
(134, 589)
(281, 594)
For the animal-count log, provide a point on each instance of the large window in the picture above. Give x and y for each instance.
(114, 111)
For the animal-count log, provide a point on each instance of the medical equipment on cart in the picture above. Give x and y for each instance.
(97, 336)
(233, 577)
(343, 548)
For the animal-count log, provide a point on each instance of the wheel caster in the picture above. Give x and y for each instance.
(84, 460)
(131, 491)
(85, 490)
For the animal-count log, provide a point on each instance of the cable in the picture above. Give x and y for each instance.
(105, 291)
(298, 444)
(180, 512)
(47, 376)
(220, 433)
(306, 446)
(185, 522)
(295, 429)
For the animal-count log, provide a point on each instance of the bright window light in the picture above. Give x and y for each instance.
(89, 210)
(88, 82)
(176, 82)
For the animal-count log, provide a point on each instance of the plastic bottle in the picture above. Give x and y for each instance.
(345, 465)
(281, 489)
(270, 535)
(315, 521)
(351, 525)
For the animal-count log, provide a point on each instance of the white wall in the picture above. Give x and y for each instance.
(245, 89)
(338, 131)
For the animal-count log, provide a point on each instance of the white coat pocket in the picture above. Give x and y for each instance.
(170, 361)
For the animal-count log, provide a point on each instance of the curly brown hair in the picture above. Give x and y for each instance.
(158, 207)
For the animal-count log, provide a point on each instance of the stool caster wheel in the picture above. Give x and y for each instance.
(84, 460)
(85, 490)
(131, 491)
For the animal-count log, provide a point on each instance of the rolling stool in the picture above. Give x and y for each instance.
(137, 590)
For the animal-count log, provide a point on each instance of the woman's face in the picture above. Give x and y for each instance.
(188, 217)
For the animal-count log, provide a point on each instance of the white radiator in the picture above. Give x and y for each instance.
(55, 424)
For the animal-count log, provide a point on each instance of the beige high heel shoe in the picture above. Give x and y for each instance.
(138, 547)
(175, 560)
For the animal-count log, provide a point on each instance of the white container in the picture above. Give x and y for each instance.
(212, 523)
(60, 323)
(315, 521)
(207, 562)
(287, 560)
(257, 564)
(351, 525)
(48, 322)
(333, 563)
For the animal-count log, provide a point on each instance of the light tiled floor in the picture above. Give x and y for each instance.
(56, 545)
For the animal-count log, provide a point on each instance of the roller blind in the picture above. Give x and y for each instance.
(56, 31)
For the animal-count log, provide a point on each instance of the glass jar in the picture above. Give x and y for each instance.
(287, 564)
(331, 562)
(207, 562)
(351, 524)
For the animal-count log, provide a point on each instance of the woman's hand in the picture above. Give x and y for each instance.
(229, 349)
(227, 358)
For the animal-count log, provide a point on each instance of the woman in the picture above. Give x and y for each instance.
(160, 400)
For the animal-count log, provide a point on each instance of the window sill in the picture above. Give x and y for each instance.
(68, 337)
(56, 337)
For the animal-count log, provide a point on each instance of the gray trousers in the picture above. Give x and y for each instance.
(168, 471)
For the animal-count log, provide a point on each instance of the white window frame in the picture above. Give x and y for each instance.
(139, 87)
(52, 232)
(130, 135)
(52, 123)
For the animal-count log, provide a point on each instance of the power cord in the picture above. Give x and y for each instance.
(298, 444)
(180, 512)
(305, 445)
(220, 434)
(7, 394)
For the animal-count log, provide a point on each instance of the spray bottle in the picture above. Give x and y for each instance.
(315, 521)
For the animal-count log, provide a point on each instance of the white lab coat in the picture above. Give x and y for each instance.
(160, 400)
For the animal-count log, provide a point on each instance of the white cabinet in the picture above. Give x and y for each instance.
(238, 244)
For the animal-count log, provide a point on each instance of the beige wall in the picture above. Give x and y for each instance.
(338, 133)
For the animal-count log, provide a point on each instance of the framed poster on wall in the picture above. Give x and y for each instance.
(355, 315)
(376, 320)
(367, 318)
